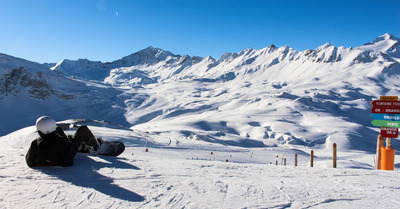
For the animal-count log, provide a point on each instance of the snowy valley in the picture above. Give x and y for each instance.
(252, 108)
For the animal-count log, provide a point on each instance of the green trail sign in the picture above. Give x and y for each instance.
(386, 123)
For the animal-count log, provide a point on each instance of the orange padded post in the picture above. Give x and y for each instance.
(387, 158)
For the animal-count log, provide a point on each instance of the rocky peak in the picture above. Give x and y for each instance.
(149, 55)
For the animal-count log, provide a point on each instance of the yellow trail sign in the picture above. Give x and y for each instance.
(389, 98)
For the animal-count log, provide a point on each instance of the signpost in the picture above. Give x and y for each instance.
(386, 117)
(378, 103)
(386, 123)
(389, 98)
(387, 110)
(386, 114)
(389, 132)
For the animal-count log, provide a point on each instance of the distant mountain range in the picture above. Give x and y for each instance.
(160, 64)
(274, 96)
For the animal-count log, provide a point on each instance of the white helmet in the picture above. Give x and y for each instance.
(46, 124)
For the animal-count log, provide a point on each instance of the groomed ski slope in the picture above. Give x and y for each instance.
(182, 173)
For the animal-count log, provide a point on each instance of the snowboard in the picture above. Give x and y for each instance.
(96, 146)
(108, 148)
(111, 148)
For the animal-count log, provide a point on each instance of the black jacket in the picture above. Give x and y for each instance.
(53, 149)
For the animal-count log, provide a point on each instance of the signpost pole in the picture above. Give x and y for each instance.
(379, 145)
(388, 142)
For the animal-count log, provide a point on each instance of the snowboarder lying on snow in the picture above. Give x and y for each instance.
(54, 148)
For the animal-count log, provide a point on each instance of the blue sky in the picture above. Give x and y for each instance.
(107, 30)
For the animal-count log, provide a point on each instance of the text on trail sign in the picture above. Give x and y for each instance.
(386, 123)
(385, 110)
(389, 98)
(386, 117)
(387, 104)
(389, 132)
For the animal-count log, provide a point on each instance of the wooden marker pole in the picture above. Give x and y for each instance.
(295, 160)
(334, 155)
(312, 158)
(388, 142)
(379, 145)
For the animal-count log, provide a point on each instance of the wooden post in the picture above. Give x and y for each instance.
(295, 160)
(388, 142)
(334, 154)
(284, 161)
(312, 158)
(379, 145)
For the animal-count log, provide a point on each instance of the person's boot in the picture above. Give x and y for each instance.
(86, 139)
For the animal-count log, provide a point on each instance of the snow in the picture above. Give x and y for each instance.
(187, 175)
(252, 108)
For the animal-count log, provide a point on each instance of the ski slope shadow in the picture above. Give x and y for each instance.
(84, 174)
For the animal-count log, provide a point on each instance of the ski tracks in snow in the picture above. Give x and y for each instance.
(168, 178)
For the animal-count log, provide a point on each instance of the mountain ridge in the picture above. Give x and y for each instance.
(151, 59)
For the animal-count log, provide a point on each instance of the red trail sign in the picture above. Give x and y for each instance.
(385, 110)
(389, 132)
(386, 104)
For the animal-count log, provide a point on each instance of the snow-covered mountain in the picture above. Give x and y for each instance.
(158, 64)
(275, 96)
(150, 56)
(28, 90)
